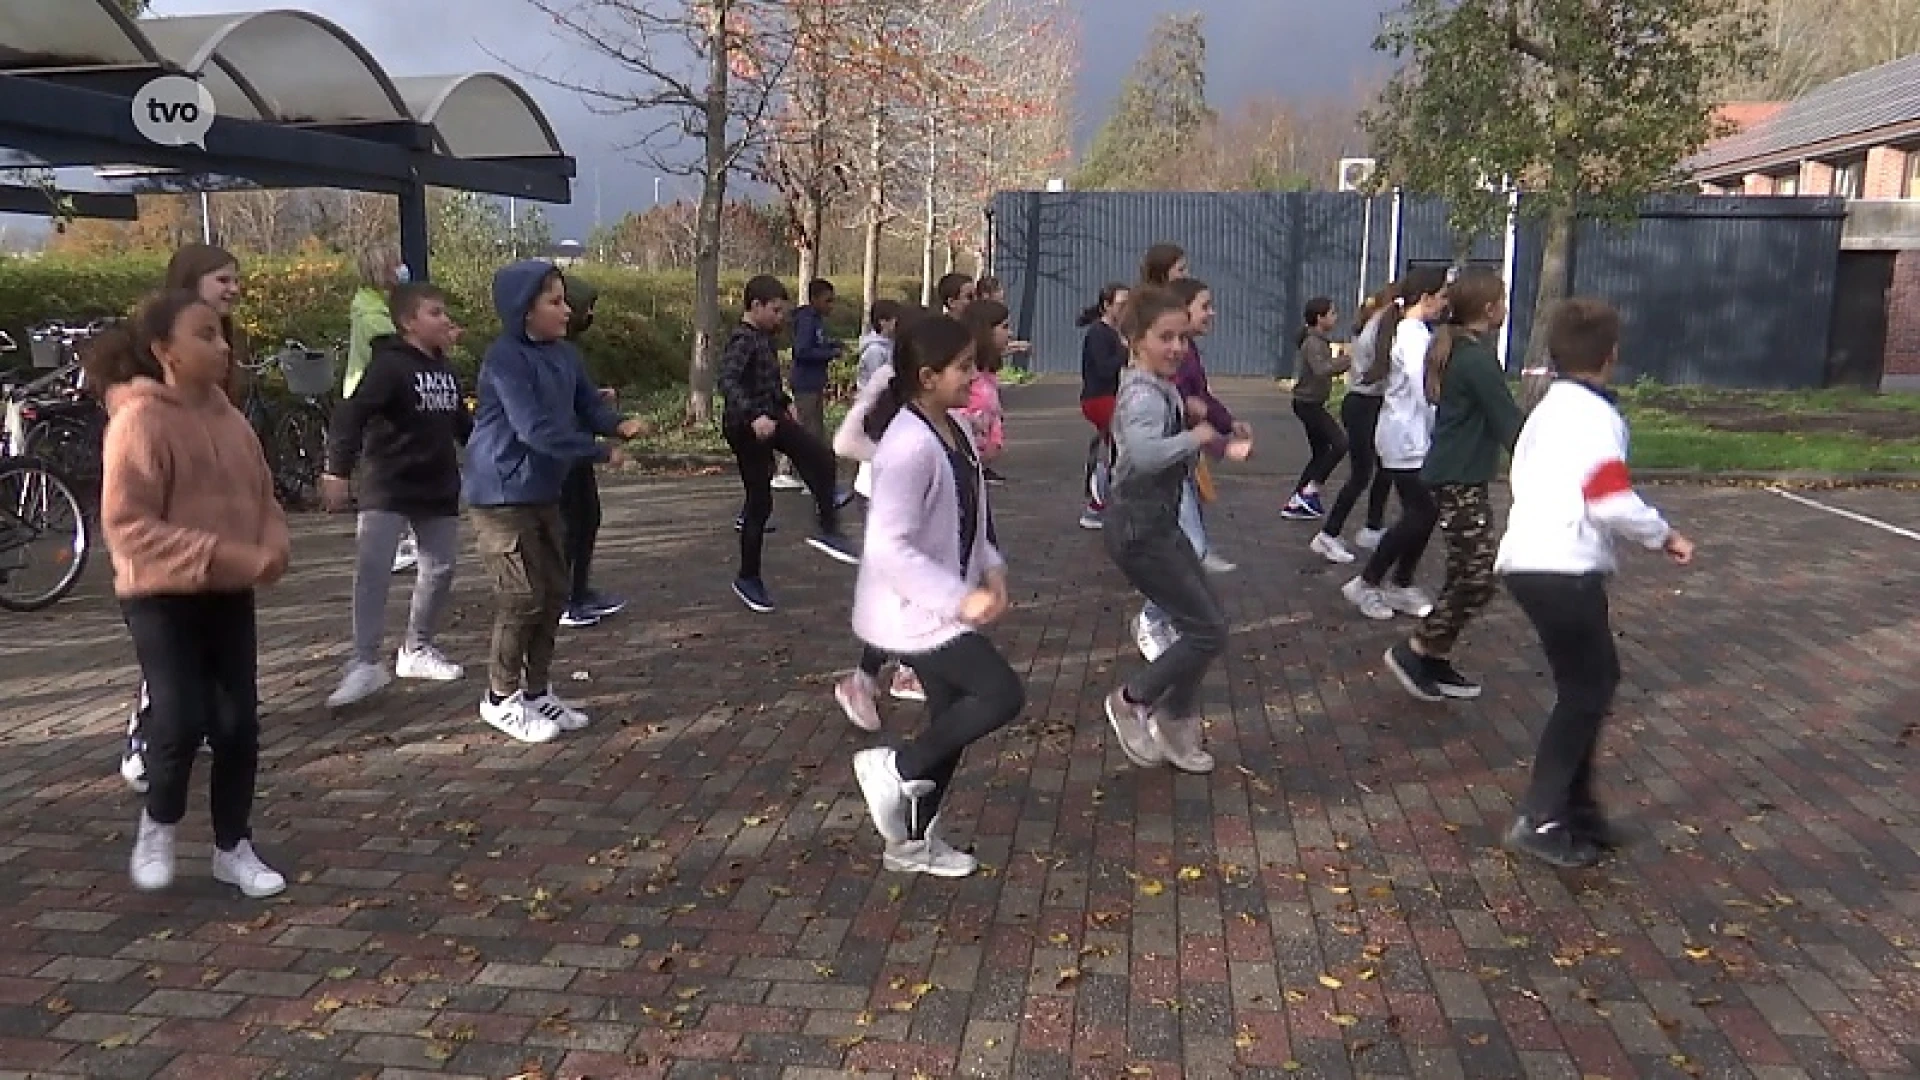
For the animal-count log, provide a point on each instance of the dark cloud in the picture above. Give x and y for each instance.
(1292, 48)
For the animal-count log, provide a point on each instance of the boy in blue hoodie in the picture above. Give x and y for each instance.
(814, 352)
(538, 416)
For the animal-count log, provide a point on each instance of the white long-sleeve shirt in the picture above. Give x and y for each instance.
(1405, 430)
(1572, 493)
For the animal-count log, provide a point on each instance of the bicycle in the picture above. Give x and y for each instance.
(38, 505)
(294, 433)
(53, 417)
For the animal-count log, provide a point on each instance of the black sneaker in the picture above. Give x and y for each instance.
(740, 525)
(1448, 678)
(601, 604)
(1411, 669)
(1590, 823)
(753, 593)
(841, 497)
(835, 546)
(1552, 842)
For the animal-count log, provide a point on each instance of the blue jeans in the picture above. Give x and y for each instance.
(1195, 528)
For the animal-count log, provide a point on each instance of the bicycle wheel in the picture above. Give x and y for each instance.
(299, 453)
(43, 536)
(72, 447)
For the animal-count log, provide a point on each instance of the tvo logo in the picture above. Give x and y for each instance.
(174, 110)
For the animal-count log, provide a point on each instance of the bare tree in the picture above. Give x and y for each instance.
(703, 72)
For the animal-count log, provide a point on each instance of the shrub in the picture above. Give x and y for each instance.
(642, 334)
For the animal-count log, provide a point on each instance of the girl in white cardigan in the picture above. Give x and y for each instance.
(930, 581)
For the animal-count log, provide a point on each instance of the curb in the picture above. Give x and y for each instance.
(1790, 479)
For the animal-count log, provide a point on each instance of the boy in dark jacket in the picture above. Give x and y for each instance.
(537, 418)
(813, 353)
(580, 497)
(758, 419)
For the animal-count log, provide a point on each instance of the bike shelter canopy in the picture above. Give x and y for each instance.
(298, 102)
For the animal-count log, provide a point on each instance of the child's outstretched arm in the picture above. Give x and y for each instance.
(1611, 501)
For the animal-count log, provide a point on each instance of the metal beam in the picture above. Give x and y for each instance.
(469, 174)
(546, 164)
(80, 204)
(408, 134)
(120, 80)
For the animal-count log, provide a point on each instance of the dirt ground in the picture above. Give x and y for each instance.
(1759, 414)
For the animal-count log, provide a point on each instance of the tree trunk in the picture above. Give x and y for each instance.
(713, 195)
(812, 223)
(876, 209)
(928, 222)
(1556, 262)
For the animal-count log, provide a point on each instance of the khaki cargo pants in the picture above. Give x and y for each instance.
(521, 548)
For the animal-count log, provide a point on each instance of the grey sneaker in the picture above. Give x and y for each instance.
(1131, 727)
(1367, 598)
(1179, 742)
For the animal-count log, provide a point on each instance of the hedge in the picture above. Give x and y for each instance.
(642, 336)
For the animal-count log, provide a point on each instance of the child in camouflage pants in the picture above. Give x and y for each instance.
(1475, 419)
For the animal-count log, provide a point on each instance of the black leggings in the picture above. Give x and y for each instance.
(1569, 611)
(200, 656)
(1324, 438)
(580, 520)
(1400, 549)
(1360, 415)
(971, 692)
(753, 455)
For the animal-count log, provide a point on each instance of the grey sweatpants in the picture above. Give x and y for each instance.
(377, 538)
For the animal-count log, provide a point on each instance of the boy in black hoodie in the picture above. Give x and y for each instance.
(580, 497)
(758, 420)
(405, 419)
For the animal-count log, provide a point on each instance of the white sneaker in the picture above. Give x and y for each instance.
(407, 556)
(152, 864)
(929, 856)
(1330, 548)
(788, 482)
(133, 770)
(427, 662)
(361, 682)
(1407, 600)
(1367, 599)
(243, 869)
(885, 793)
(513, 718)
(1090, 520)
(563, 715)
(1368, 538)
(1153, 637)
(1215, 564)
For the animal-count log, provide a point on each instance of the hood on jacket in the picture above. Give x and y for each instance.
(145, 393)
(872, 338)
(394, 343)
(515, 287)
(580, 298)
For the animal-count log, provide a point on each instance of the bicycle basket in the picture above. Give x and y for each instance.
(308, 373)
(45, 350)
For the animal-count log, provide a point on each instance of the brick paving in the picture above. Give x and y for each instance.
(691, 889)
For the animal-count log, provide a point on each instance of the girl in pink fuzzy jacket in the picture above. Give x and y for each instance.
(989, 320)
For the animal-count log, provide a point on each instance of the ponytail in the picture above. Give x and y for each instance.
(1109, 293)
(124, 352)
(1420, 283)
(932, 343)
(1474, 295)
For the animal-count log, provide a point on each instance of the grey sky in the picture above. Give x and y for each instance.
(1292, 48)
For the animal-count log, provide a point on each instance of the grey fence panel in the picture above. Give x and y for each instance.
(1718, 291)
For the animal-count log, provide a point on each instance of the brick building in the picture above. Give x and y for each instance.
(1857, 137)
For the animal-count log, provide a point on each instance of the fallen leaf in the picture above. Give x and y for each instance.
(1151, 887)
(339, 974)
(1344, 1019)
(115, 1042)
(631, 941)
(1191, 873)
(1067, 978)
(1245, 1038)
(1700, 953)
(1330, 982)
(439, 1051)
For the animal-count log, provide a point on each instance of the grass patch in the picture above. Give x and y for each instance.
(1830, 431)
(666, 411)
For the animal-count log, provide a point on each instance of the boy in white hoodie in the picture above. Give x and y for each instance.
(1571, 495)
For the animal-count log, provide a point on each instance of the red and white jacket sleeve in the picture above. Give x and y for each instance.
(1611, 501)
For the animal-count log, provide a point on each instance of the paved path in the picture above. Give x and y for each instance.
(690, 888)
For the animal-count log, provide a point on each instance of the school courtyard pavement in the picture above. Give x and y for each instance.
(690, 888)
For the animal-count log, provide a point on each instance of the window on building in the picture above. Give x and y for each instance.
(1849, 179)
(1910, 183)
(1787, 185)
